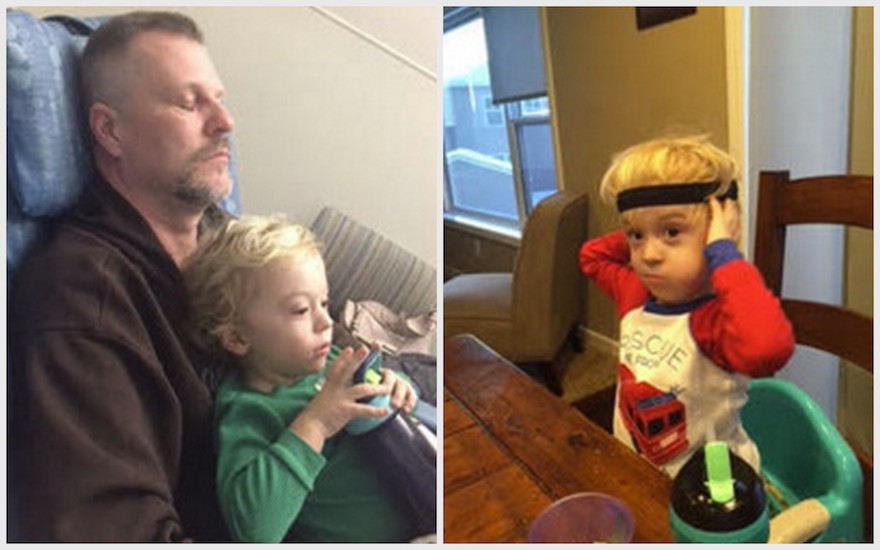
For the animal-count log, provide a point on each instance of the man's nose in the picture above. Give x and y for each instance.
(221, 121)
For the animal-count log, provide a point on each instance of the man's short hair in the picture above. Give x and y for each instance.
(111, 39)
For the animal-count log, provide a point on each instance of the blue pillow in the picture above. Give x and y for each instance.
(43, 114)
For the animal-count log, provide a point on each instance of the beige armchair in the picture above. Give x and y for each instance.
(526, 315)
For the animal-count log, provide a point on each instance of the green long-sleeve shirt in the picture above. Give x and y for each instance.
(270, 483)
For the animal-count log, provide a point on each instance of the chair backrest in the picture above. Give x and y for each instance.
(48, 146)
(838, 200)
(547, 283)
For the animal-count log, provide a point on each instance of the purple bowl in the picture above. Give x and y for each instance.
(584, 517)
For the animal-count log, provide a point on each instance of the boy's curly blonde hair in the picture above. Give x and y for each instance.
(668, 160)
(216, 275)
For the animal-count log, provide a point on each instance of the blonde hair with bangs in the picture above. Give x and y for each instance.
(217, 273)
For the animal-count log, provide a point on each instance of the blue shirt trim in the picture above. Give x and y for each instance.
(677, 309)
(720, 252)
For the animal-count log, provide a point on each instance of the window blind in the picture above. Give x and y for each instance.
(516, 54)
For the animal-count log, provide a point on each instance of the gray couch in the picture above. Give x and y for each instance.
(362, 264)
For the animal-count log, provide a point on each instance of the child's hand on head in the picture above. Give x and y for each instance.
(337, 401)
(723, 221)
(403, 396)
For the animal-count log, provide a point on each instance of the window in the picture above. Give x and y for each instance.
(498, 158)
(655, 427)
(493, 113)
(536, 107)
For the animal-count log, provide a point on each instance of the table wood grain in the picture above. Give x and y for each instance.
(481, 482)
(511, 448)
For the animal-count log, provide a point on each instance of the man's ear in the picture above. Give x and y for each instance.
(233, 341)
(104, 122)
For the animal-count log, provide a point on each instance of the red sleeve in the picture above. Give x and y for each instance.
(605, 261)
(744, 329)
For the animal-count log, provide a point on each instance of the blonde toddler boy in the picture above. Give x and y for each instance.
(696, 320)
(286, 468)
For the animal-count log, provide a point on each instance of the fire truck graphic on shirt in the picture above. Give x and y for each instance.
(655, 419)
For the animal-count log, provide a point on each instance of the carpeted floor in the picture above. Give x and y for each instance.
(582, 374)
(585, 380)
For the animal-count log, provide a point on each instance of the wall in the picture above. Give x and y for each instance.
(859, 281)
(334, 106)
(856, 390)
(612, 86)
(467, 251)
(800, 67)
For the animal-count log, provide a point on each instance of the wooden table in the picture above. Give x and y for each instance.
(510, 448)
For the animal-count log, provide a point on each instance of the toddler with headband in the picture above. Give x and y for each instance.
(696, 320)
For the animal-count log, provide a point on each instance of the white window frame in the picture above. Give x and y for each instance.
(514, 114)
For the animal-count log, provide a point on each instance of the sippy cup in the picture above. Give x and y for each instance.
(404, 451)
(368, 371)
(717, 497)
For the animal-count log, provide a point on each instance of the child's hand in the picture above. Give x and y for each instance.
(403, 396)
(724, 221)
(336, 402)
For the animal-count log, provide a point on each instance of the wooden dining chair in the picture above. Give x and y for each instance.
(838, 200)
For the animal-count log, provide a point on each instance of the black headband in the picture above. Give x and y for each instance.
(676, 193)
